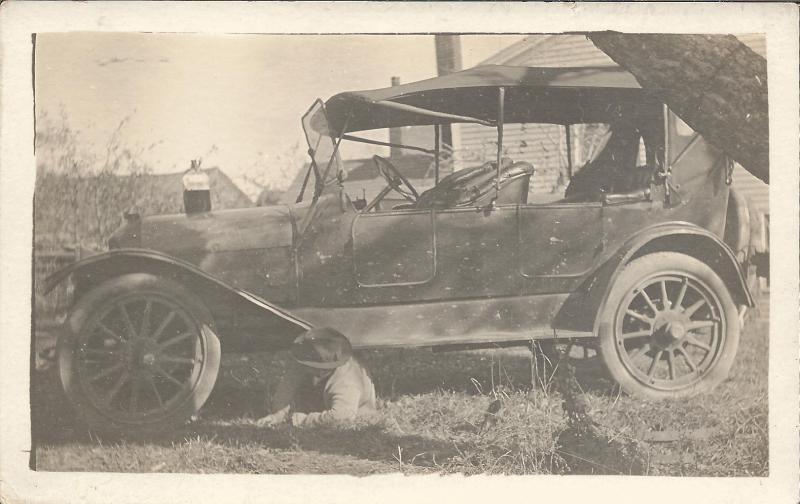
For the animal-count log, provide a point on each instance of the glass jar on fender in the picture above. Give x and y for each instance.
(196, 189)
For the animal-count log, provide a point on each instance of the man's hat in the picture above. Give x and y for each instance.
(322, 348)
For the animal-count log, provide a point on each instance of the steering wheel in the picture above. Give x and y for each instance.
(395, 179)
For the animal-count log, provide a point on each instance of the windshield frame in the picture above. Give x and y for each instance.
(320, 175)
(321, 179)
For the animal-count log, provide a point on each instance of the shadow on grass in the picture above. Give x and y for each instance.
(228, 421)
(432, 438)
(477, 372)
(364, 441)
(246, 382)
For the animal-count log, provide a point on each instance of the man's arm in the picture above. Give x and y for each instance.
(284, 394)
(344, 406)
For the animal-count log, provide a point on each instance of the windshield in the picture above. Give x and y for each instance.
(325, 161)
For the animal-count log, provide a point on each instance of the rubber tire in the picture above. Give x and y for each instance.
(105, 294)
(628, 278)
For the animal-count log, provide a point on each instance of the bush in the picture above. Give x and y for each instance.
(79, 197)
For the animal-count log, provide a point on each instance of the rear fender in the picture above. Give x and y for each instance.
(243, 321)
(581, 310)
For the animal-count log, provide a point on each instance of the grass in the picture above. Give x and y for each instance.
(431, 420)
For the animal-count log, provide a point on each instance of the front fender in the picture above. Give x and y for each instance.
(580, 311)
(224, 300)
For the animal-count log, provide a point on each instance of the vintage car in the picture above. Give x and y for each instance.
(631, 260)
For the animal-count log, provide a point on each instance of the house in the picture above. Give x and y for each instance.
(167, 189)
(544, 146)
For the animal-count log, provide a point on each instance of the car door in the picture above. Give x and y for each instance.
(394, 254)
(430, 255)
(476, 252)
(558, 243)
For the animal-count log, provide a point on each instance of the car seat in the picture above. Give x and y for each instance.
(613, 172)
(474, 186)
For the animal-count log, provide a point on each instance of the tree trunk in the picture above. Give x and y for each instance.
(715, 83)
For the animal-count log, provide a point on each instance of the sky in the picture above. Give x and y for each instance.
(234, 100)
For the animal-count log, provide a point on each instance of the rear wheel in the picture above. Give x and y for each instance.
(669, 327)
(140, 355)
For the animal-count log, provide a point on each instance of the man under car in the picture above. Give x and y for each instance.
(325, 382)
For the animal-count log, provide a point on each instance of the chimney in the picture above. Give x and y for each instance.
(448, 60)
(448, 53)
(395, 134)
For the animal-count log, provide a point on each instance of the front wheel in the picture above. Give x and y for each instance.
(669, 327)
(140, 355)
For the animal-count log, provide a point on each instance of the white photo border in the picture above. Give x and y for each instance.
(19, 20)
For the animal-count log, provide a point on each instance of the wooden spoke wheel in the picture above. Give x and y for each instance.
(669, 327)
(141, 355)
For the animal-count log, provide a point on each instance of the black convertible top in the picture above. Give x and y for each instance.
(559, 95)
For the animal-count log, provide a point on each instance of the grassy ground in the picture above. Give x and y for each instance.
(433, 407)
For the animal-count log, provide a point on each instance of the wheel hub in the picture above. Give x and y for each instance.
(143, 354)
(676, 330)
(669, 330)
(148, 359)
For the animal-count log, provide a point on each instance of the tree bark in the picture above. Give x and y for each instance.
(715, 83)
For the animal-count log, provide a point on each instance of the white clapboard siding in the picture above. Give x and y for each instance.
(541, 145)
(562, 50)
(754, 189)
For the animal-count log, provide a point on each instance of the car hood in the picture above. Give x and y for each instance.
(184, 235)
